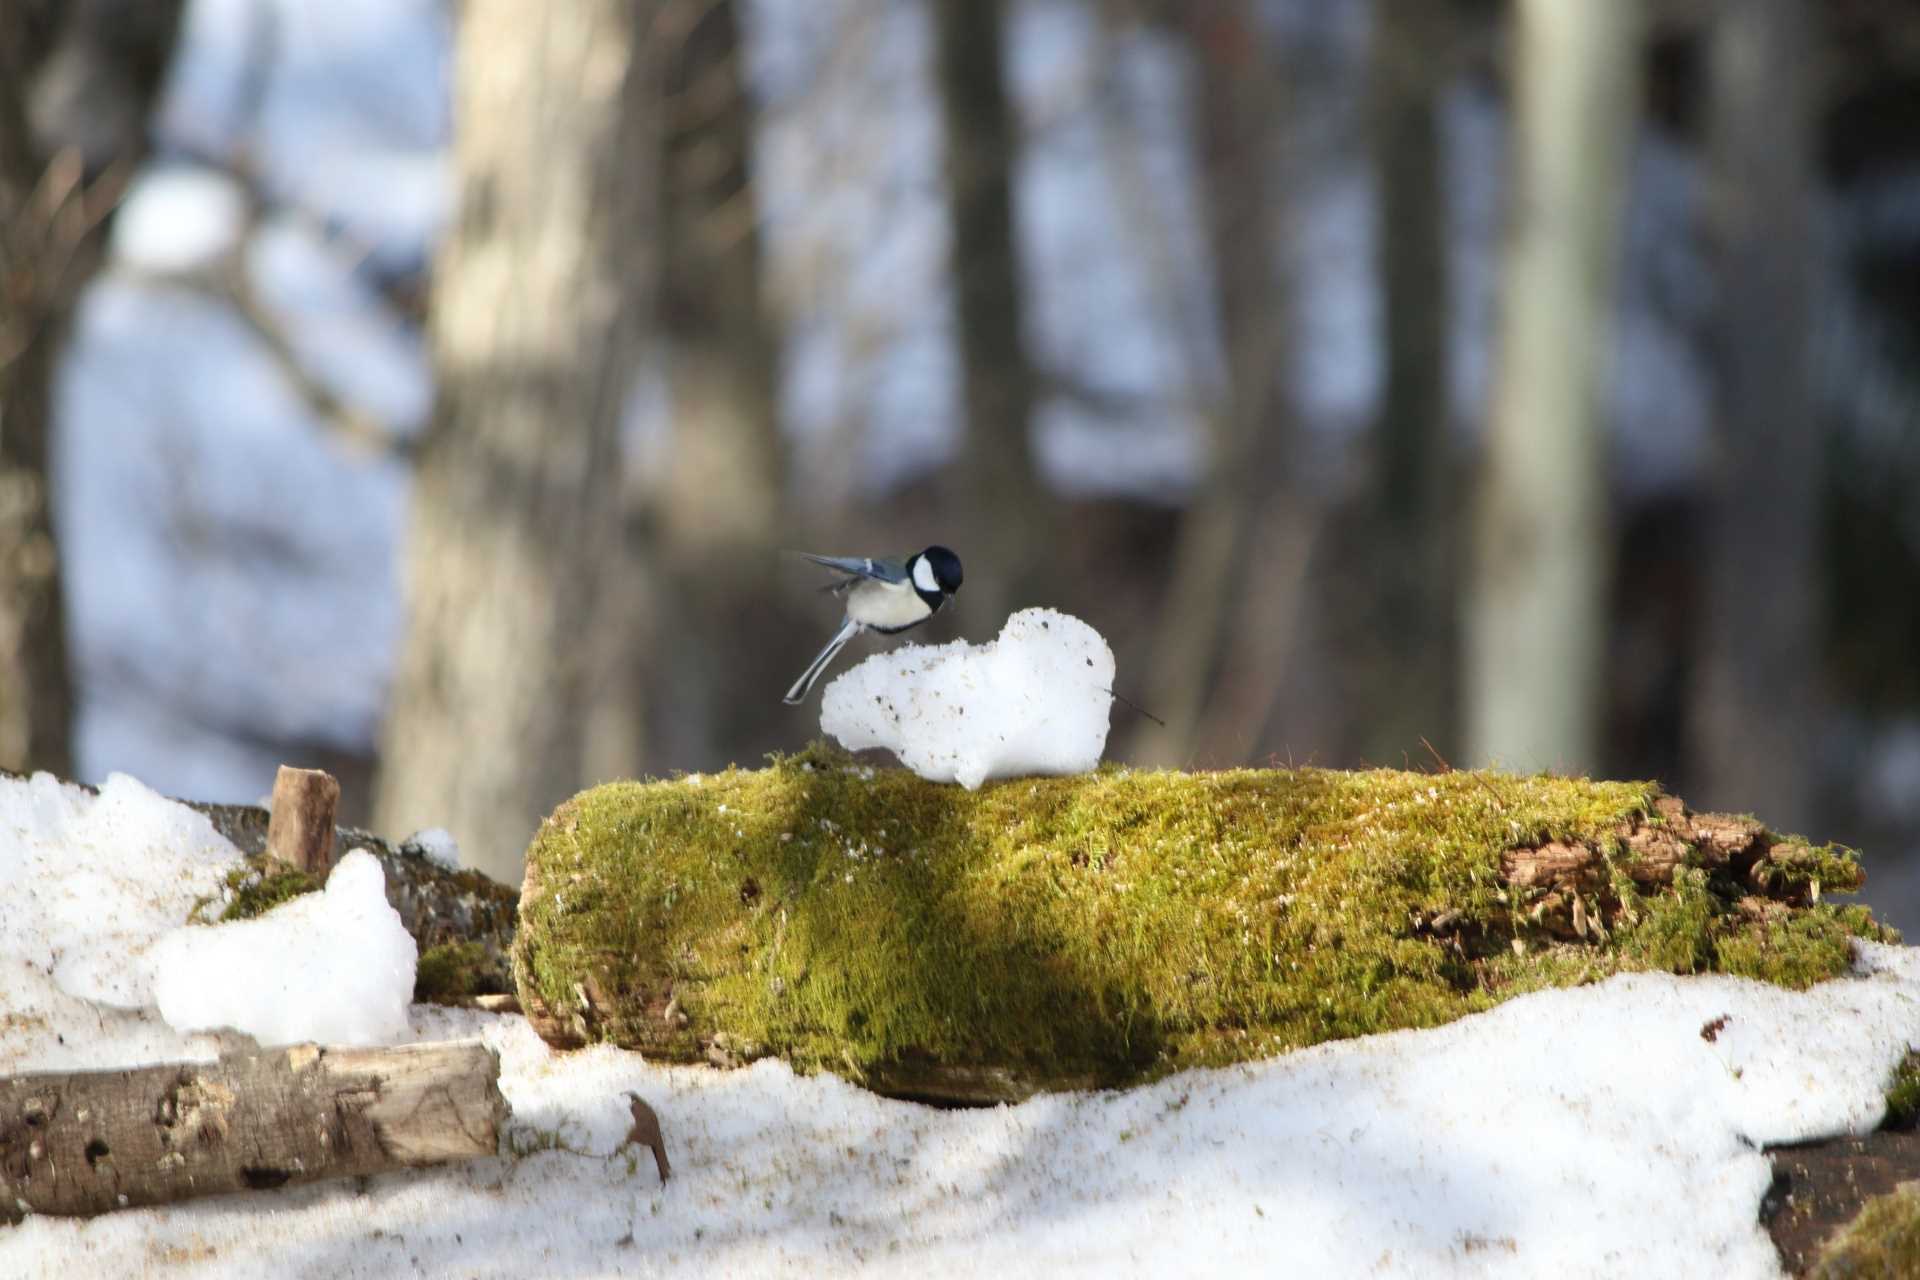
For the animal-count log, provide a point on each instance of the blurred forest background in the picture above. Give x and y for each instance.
(423, 390)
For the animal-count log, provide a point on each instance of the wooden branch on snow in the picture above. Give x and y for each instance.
(81, 1143)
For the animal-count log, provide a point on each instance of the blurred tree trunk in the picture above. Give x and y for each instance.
(1003, 509)
(519, 647)
(1535, 625)
(716, 695)
(1412, 623)
(77, 83)
(1753, 718)
(1211, 660)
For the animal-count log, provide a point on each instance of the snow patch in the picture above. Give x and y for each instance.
(439, 846)
(87, 881)
(1036, 700)
(179, 218)
(335, 967)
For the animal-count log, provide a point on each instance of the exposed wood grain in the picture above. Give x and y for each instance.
(300, 832)
(82, 1143)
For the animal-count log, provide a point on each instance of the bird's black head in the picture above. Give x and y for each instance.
(945, 566)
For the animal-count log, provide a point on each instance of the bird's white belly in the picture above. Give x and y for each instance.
(887, 606)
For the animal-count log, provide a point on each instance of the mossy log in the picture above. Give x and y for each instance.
(1105, 929)
(88, 1142)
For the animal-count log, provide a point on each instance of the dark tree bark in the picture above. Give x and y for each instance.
(1005, 511)
(76, 84)
(1411, 627)
(1753, 717)
(518, 659)
(82, 1143)
(715, 691)
(1216, 657)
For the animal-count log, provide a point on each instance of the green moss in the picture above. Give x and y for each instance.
(1115, 925)
(450, 971)
(1903, 1094)
(254, 888)
(1881, 1243)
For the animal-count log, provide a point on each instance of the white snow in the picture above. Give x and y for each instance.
(1590, 1132)
(1036, 700)
(88, 882)
(438, 844)
(334, 967)
(179, 217)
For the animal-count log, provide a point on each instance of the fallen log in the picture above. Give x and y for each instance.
(1101, 930)
(82, 1143)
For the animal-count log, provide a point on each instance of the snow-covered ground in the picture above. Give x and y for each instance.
(1592, 1132)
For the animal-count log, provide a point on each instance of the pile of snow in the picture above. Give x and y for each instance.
(335, 967)
(87, 883)
(1036, 700)
(94, 893)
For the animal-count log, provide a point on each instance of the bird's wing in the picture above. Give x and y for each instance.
(882, 569)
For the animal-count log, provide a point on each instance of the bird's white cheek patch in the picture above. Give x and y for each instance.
(923, 575)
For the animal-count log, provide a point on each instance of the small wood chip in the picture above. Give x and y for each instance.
(646, 1132)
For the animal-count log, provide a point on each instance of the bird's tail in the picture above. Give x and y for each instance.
(798, 694)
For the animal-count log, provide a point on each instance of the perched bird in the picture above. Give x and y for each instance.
(884, 595)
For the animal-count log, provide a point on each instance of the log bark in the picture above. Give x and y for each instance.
(77, 1144)
(1573, 893)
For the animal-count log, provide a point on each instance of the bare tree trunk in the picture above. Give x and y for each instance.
(518, 561)
(716, 697)
(1753, 718)
(1005, 511)
(76, 85)
(1535, 628)
(1411, 576)
(1214, 576)
(89, 1142)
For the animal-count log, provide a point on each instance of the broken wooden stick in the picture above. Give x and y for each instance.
(646, 1132)
(300, 832)
(82, 1143)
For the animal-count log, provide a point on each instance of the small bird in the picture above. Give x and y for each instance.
(886, 595)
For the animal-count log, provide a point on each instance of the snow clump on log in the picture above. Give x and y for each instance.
(335, 967)
(1034, 701)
